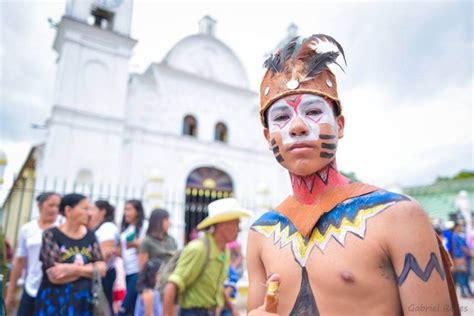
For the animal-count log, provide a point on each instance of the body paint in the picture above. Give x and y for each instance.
(347, 217)
(305, 304)
(307, 188)
(276, 151)
(411, 264)
(312, 110)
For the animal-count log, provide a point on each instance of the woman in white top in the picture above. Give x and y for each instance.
(133, 230)
(101, 221)
(27, 253)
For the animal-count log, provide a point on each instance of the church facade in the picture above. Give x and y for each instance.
(185, 131)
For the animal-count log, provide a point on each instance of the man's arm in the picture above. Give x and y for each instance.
(171, 290)
(413, 249)
(186, 272)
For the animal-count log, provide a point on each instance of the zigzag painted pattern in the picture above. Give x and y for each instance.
(347, 217)
(412, 265)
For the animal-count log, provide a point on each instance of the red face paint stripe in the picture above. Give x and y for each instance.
(294, 102)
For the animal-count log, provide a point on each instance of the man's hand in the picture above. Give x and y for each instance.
(263, 310)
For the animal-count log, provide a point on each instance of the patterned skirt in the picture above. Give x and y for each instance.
(72, 299)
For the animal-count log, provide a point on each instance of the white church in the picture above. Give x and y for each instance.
(185, 132)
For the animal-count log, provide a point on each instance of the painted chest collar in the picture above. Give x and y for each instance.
(305, 216)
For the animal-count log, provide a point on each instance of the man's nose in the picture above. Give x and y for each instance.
(298, 128)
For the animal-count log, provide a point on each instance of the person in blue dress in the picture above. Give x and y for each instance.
(461, 258)
(68, 255)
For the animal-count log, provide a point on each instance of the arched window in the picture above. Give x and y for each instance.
(189, 125)
(220, 133)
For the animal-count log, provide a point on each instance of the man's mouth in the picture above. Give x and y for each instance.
(301, 146)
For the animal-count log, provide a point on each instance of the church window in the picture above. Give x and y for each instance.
(101, 18)
(190, 125)
(220, 133)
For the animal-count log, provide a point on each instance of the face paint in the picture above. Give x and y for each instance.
(298, 118)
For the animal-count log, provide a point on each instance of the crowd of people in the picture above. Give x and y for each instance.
(75, 242)
(460, 245)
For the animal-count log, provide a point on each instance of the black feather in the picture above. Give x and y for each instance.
(276, 62)
(330, 39)
(271, 63)
(317, 62)
(288, 50)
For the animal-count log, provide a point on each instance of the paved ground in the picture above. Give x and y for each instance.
(467, 306)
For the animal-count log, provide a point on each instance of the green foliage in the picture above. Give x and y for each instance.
(461, 175)
(464, 174)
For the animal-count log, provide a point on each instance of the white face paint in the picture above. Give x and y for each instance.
(312, 110)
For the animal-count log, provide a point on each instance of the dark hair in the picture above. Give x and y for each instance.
(155, 223)
(43, 197)
(108, 208)
(147, 277)
(138, 206)
(70, 200)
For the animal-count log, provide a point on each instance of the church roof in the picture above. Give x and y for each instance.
(204, 55)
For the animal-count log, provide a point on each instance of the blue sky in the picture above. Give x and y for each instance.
(407, 91)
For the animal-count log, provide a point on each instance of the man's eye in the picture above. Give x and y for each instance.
(314, 112)
(282, 117)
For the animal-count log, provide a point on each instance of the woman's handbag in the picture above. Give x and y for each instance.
(99, 300)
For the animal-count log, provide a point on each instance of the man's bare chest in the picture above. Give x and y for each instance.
(341, 255)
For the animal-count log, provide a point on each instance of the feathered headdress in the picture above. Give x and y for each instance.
(301, 66)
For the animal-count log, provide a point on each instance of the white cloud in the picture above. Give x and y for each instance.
(386, 141)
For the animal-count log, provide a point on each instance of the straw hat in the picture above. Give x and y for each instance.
(223, 210)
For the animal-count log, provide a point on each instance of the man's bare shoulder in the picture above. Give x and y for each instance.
(407, 213)
(405, 223)
(263, 226)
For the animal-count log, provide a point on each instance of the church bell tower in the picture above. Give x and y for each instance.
(85, 130)
(94, 47)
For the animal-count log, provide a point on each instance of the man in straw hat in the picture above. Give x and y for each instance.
(334, 247)
(202, 266)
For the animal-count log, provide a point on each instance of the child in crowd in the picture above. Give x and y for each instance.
(148, 301)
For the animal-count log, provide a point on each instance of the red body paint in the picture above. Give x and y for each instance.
(307, 189)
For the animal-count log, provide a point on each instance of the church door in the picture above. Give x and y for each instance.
(203, 186)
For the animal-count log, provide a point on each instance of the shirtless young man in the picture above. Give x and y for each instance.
(337, 247)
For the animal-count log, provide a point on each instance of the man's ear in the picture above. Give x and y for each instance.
(266, 133)
(341, 122)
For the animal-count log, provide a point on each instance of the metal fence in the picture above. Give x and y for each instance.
(187, 208)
